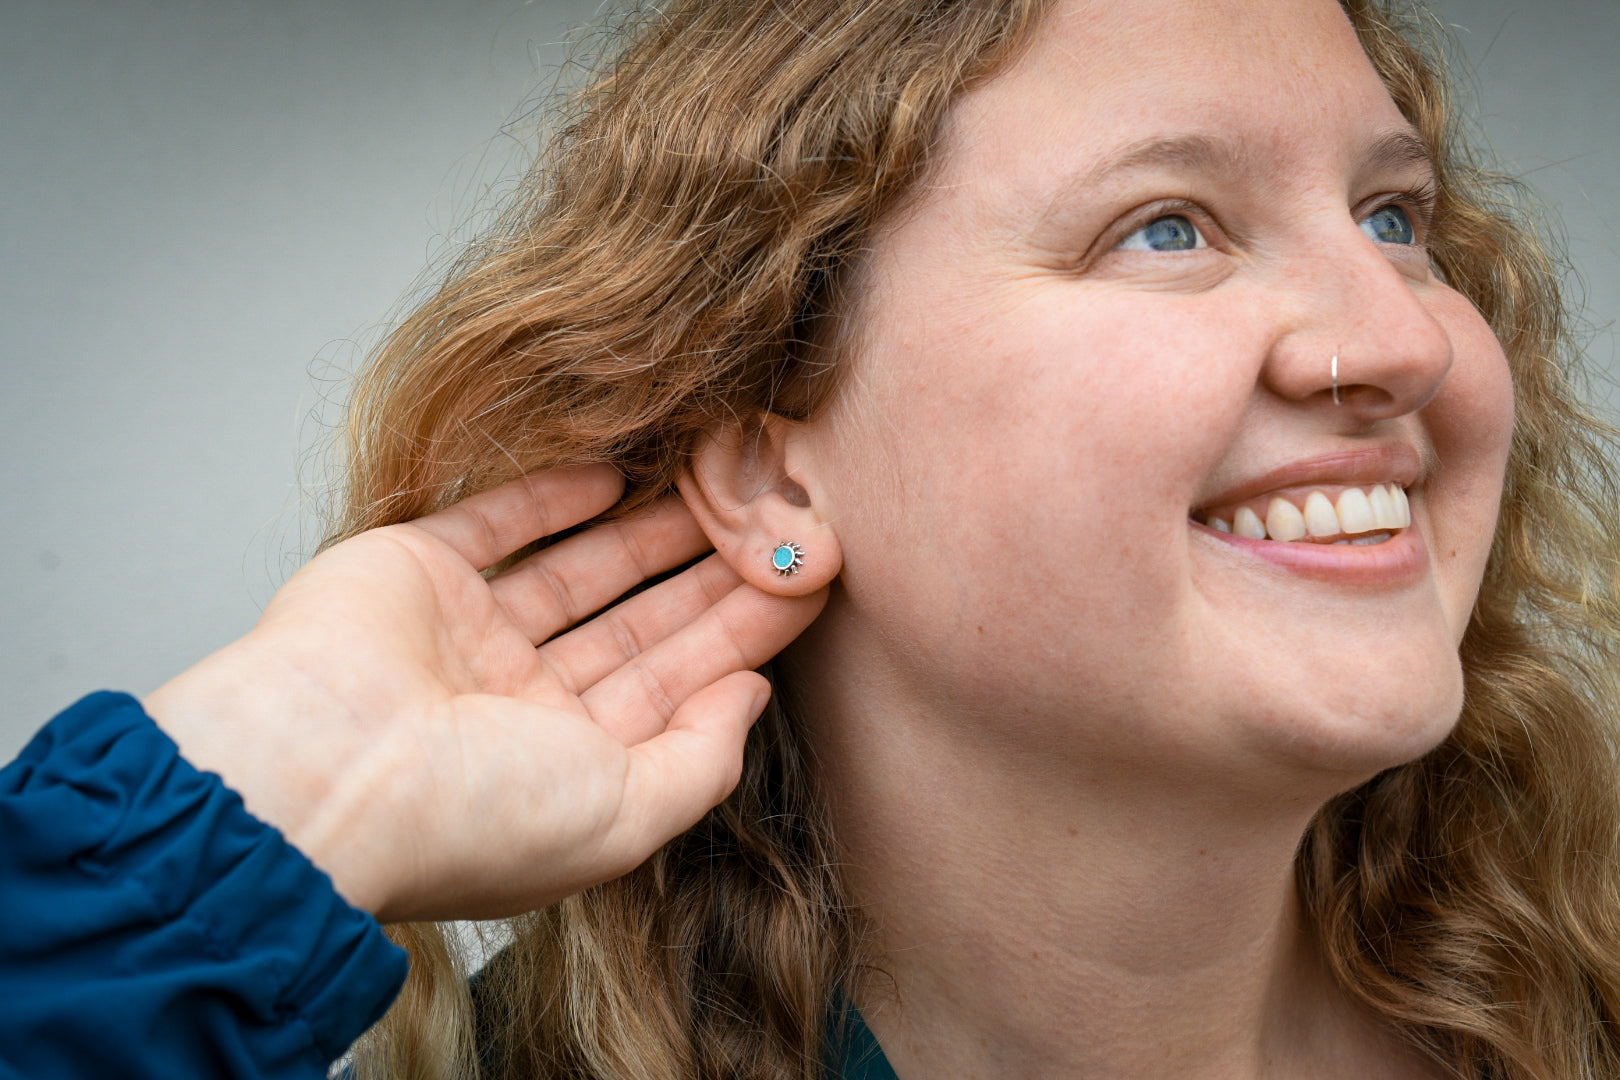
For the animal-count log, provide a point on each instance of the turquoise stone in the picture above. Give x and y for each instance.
(782, 557)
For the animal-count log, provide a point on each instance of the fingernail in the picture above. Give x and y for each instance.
(760, 701)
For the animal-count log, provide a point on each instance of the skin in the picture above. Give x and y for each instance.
(1072, 737)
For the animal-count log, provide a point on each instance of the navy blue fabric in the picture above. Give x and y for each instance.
(151, 927)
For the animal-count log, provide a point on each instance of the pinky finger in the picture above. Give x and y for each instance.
(681, 774)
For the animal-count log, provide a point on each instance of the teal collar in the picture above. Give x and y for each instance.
(853, 1053)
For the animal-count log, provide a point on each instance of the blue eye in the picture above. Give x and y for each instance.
(1169, 233)
(1389, 225)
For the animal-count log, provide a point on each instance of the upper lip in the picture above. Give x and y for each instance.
(1385, 463)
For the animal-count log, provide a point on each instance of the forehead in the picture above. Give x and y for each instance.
(1257, 80)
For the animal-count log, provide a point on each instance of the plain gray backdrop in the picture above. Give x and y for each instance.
(211, 208)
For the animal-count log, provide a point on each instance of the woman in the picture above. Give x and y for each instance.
(1106, 411)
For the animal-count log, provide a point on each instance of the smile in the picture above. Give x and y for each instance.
(1322, 515)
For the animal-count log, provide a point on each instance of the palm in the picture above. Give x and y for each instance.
(426, 630)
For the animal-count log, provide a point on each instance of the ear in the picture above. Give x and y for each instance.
(757, 508)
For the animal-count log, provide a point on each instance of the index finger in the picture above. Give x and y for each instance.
(486, 527)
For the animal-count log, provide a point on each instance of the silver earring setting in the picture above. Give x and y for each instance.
(1334, 367)
(787, 558)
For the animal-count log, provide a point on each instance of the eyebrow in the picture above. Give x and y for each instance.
(1398, 148)
(1401, 148)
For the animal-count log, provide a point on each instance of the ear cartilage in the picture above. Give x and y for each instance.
(787, 558)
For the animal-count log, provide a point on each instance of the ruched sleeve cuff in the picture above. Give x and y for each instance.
(153, 927)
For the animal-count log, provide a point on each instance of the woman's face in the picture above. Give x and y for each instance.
(1111, 317)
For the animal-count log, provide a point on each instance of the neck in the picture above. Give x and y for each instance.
(1037, 917)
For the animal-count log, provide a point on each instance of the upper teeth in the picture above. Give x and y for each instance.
(1381, 507)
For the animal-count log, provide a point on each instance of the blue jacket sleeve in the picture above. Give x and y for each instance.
(151, 927)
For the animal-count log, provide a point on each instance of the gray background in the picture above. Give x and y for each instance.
(210, 209)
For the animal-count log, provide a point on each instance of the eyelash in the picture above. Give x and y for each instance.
(1423, 199)
(1419, 202)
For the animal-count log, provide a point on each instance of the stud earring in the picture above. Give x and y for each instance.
(1335, 370)
(787, 558)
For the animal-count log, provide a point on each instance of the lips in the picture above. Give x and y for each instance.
(1309, 518)
(1329, 514)
(1352, 497)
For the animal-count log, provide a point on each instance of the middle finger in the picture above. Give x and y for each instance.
(562, 584)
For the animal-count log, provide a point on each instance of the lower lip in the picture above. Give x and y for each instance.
(1400, 560)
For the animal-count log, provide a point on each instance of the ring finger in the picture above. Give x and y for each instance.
(562, 584)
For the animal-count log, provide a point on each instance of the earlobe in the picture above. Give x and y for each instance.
(758, 511)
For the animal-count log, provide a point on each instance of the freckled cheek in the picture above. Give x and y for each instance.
(1083, 508)
(1039, 471)
(1471, 424)
(1471, 418)
(1059, 417)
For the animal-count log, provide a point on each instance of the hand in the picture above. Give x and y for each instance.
(443, 745)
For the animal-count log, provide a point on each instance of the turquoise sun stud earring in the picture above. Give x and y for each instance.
(787, 558)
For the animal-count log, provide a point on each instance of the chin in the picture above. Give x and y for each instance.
(1347, 733)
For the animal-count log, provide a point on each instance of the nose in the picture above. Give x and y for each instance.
(1361, 341)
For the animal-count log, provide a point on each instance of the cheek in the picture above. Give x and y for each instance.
(1471, 424)
(1045, 462)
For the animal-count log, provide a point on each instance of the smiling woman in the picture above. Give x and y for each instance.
(1139, 446)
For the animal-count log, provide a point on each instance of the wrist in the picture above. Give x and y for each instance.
(275, 741)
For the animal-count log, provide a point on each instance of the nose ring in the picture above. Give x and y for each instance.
(1334, 367)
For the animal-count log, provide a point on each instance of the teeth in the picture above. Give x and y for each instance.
(1355, 512)
(1320, 517)
(1383, 508)
(1376, 512)
(1284, 521)
(1363, 541)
